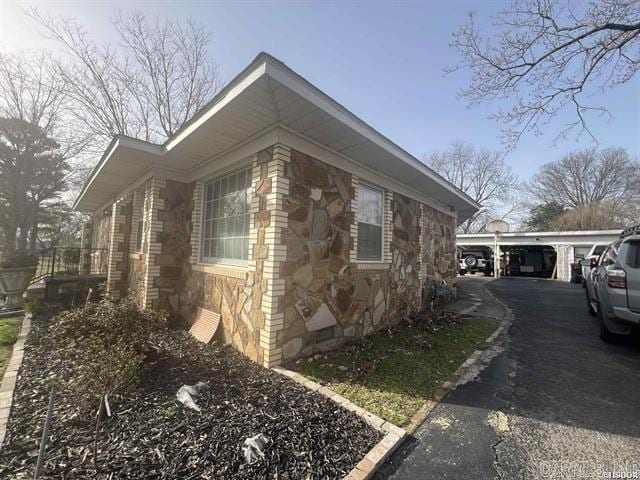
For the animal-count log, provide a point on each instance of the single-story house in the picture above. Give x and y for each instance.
(279, 210)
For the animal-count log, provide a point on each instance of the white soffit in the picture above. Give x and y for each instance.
(266, 93)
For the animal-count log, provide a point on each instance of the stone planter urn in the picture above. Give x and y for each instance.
(14, 282)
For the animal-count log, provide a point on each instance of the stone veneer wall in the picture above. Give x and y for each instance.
(173, 236)
(302, 290)
(405, 249)
(246, 298)
(329, 297)
(439, 262)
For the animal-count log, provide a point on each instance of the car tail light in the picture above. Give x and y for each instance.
(617, 278)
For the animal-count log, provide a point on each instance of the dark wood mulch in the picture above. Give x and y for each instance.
(152, 435)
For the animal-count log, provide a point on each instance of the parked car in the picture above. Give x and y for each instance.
(613, 286)
(475, 261)
(593, 255)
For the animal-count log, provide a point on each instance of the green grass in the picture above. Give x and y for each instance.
(8, 336)
(394, 375)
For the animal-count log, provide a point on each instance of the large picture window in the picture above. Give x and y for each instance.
(225, 226)
(370, 215)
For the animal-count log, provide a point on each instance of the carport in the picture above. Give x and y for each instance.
(538, 254)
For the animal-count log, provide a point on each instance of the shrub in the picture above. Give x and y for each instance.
(102, 347)
(31, 307)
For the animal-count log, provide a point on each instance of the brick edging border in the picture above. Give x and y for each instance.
(10, 376)
(393, 435)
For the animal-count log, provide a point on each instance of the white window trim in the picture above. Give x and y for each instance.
(383, 227)
(203, 261)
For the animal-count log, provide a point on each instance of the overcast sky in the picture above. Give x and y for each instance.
(382, 61)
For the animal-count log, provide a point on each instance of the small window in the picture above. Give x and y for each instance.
(633, 257)
(370, 214)
(225, 218)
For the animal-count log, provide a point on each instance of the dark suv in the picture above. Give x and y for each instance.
(613, 286)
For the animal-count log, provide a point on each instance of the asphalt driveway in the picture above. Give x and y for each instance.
(556, 403)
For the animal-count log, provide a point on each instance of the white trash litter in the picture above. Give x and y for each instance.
(253, 448)
(187, 392)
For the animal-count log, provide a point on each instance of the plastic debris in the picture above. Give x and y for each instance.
(253, 448)
(187, 392)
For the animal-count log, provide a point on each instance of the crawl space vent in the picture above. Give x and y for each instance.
(205, 325)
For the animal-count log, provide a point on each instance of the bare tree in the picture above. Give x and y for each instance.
(588, 177)
(484, 176)
(31, 90)
(548, 55)
(147, 86)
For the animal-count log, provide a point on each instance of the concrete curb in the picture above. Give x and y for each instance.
(452, 382)
(10, 377)
(393, 435)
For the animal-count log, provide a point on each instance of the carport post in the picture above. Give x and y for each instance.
(496, 256)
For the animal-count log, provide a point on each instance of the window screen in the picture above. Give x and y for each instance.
(225, 226)
(369, 223)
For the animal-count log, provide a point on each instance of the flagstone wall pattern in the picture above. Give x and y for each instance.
(327, 296)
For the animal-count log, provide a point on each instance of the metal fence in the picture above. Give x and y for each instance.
(71, 261)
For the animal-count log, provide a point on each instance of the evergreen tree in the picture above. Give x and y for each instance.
(32, 176)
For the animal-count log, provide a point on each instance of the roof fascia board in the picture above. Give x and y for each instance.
(107, 153)
(118, 142)
(302, 87)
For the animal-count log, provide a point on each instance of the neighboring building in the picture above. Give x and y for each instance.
(280, 210)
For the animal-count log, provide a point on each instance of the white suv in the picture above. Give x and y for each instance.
(475, 261)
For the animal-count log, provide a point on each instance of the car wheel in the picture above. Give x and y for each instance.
(605, 334)
(470, 261)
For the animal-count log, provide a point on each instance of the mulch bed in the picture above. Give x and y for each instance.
(151, 435)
